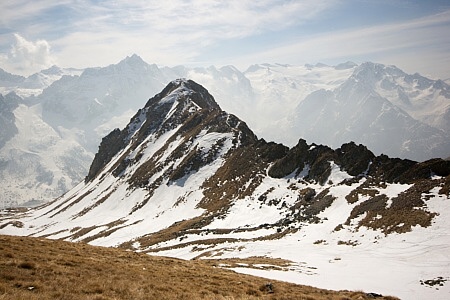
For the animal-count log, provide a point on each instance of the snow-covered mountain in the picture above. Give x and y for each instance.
(37, 162)
(188, 180)
(82, 108)
(279, 102)
(53, 135)
(100, 99)
(423, 99)
(280, 88)
(34, 84)
(9, 80)
(367, 108)
(7, 118)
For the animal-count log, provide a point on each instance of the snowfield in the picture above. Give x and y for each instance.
(396, 264)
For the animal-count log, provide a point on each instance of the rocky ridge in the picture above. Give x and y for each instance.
(192, 133)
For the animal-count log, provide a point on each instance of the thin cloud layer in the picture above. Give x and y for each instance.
(421, 44)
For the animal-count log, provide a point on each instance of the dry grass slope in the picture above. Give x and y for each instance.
(36, 268)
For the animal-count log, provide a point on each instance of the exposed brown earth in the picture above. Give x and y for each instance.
(37, 268)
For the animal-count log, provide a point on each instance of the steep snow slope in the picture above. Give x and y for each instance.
(188, 180)
(37, 163)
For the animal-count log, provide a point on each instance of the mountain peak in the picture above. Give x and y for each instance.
(180, 102)
(346, 65)
(9, 77)
(379, 69)
(185, 89)
(133, 60)
(53, 70)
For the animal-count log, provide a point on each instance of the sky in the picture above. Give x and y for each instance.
(414, 35)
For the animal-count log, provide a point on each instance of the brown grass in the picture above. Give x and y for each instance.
(36, 268)
(255, 262)
(407, 210)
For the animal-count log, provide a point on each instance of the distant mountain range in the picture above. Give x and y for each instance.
(186, 179)
(383, 108)
(54, 120)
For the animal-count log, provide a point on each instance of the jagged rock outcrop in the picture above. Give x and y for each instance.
(354, 159)
(109, 146)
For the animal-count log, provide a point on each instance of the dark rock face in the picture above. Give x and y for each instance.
(109, 146)
(155, 118)
(241, 173)
(294, 159)
(352, 158)
(356, 160)
(390, 169)
(427, 169)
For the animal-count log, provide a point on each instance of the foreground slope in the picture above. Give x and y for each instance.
(42, 269)
(188, 180)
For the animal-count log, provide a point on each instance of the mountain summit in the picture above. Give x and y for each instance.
(182, 101)
(186, 179)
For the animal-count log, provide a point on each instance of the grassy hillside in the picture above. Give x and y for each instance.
(36, 268)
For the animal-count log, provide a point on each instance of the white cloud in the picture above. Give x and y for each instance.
(26, 57)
